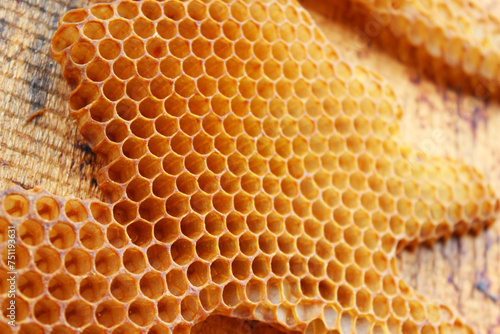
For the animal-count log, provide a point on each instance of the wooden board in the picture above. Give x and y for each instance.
(47, 151)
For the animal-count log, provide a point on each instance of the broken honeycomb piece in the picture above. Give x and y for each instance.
(79, 267)
(464, 34)
(251, 172)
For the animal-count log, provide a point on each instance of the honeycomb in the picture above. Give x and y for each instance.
(462, 33)
(250, 172)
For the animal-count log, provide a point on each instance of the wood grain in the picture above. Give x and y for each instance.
(46, 151)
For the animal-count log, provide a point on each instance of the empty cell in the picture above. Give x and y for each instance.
(168, 309)
(22, 310)
(85, 94)
(47, 259)
(124, 212)
(30, 284)
(107, 262)
(144, 28)
(123, 287)
(232, 294)
(109, 49)
(160, 87)
(109, 313)
(223, 48)
(151, 209)
(192, 226)
(140, 233)
(176, 282)
(133, 260)
(309, 287)
(78, 314)
(248, 244)
(138, 189)
(189, 308)
(46, 311)
(62, 236)
(305, 245)
(82, 52)
(279, 265)
(316, 267)
(116, 131)
(98, 70)
(195, 164)
(344, 253)
(182, 251)
(47, 208)
(175, 105)
(152, 285)
(166, 230)
(77, 262)
(75, 211)
(113, 89)
(229, 182)
(147, 67)
(240, 267)
(124, 68)
(137, 89)
(101, 110)
(207, 182)
(250, 183)
(91, 236)
(197, 273)
(222, 202)
(64, 38)
(206, 247)
(127, 9)
(151, 10)
(177, 205)
(100, 212)
(119, 29)
(141, 312)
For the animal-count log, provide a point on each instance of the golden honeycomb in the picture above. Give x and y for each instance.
(250, 172)
(463, 34)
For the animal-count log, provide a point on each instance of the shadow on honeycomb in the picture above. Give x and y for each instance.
(250, 173)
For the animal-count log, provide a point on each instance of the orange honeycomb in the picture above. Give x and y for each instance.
(462, 33)
(251, 172)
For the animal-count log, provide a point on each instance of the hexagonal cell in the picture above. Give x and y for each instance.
(107, 262)
(123, 287)
(93, 288)
(168, 309)
(141, 312)
(176, 282)
(100, 212)
(47, 259)
(133, 260)
(62, 236)
(31, 232)
(124, 212)
(77, 262)
(30, 284)
(206, 247)
(16, 205)
(116, 236)
(232, 294)
(78, 313)
(182, 251)
(197, 273)
(152, 285)
(109, 313)
(46, 311)
(47, 208)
